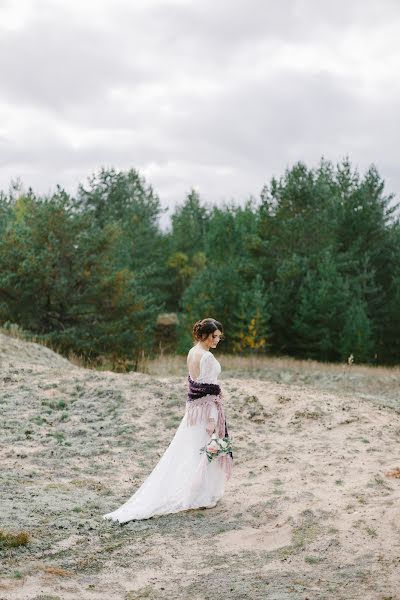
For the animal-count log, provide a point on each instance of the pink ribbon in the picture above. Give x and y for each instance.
(200, 409)
(225, 461)
(197, 411)
(221, 415)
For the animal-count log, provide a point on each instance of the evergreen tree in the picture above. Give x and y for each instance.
(250, 330)
(124, 206)
(189, 226)
(213, 292)
(320, 314)
(356, 337)
(312, 269)
(283, 292)
(119, 197)
(185, 248)
(59, 281)
(364, 219)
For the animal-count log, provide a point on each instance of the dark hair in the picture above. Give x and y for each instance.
(202, 329)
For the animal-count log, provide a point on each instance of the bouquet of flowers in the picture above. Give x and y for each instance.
(216, 446)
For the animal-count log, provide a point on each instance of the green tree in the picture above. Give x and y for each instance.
(250, 329)
(59, 281)
(189, 225)
(122, 201)
(216, 289)
(119, 196)
(356, 337)
(320, 315)
(388, 343)
(295, 213)
(283, 292)
(183, 268)
(312, 267)
(185, 248)
(213, 292)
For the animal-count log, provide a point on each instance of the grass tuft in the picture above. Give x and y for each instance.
(13, 540)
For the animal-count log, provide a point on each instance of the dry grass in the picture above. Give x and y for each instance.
(172, 364)
(395, 473)
(176, 365)
(13, 540)
(377, 384)
(256, 363)
(58, 571)
(100, 363)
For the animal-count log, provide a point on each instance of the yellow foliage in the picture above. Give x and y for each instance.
(22, 205)
(248, 339)
(178, 261)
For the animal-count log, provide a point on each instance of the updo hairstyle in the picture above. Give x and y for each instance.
(202, 329)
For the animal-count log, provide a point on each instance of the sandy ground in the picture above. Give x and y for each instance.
(310, 513)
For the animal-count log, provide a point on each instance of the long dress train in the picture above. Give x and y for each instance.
(183, 479)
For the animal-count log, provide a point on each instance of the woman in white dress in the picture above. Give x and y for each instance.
(183, 479)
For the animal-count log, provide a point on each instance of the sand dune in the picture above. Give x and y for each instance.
(312, 510)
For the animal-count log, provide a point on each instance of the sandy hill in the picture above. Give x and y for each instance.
(19, 354)
(312, 510)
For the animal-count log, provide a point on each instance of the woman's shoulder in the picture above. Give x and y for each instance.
(195, 351)
(209, 359)
(205, 357)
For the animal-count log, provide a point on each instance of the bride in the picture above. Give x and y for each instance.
(183, 478)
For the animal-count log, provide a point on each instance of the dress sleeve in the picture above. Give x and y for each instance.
(209, 370)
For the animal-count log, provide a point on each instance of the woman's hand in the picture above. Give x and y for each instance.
(211, 425)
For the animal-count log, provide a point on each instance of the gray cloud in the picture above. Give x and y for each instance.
(217, 96)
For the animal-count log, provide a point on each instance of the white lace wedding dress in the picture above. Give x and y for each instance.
(179, 482)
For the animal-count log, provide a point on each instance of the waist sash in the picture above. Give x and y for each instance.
(201, 397)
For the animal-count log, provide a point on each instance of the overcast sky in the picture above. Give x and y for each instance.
(216, 95)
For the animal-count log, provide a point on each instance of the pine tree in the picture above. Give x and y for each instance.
(320, 314)
(250, 328)
(60, 281)
(356, 337)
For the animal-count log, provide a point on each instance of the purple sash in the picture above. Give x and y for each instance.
(198, 390)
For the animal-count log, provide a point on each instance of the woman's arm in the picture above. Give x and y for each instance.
(211, 426)
(209, 374)
(212, 421)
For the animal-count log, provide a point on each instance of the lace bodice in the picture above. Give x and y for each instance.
(209, 369)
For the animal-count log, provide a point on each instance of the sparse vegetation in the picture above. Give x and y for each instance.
(300, 513)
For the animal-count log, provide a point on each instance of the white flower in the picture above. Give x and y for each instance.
(213, 444)
(223, 444)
